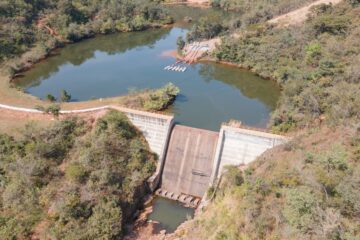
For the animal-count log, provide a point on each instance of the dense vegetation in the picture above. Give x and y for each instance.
(161, 98)
(76, 180)
(47, 24)
(308, 188)
(317, 65)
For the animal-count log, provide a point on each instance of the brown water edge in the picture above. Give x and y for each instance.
(142, 228)
(145, 229)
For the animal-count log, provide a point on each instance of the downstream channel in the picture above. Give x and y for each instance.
(115, 64)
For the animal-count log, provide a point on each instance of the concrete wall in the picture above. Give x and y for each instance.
(189, 161)
(156, 129)
(238, 146)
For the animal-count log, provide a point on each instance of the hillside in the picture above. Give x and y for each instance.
(307, 189)
(74, 180)
(313, 63)
(43, 25)
(84, 179)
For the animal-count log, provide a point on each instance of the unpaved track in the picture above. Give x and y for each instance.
(299, 15)
(30, 110)
(294, 17)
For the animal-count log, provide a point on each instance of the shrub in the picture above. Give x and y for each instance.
(50, 98)
(313, 53)
(301, 208)
(75, 172)
(54, 109)
(180, 43)
(233, 176)
(65, 96)
(105, 221)
(330, 24)
(349, 191)
(206, 28)
(160, 99)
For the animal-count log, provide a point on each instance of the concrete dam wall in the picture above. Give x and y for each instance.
(239, 146)
(156, 129)
(189, 161)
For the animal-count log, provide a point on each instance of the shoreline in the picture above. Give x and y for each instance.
(175, 54)
(14, 96)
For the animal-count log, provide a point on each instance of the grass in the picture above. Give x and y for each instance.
(12, 121)
(16, 97)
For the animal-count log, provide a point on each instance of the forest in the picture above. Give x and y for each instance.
(47, 24)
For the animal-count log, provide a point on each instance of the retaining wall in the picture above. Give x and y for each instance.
(238, 146)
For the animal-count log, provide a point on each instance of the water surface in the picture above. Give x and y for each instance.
(170, 214)
(112, 65)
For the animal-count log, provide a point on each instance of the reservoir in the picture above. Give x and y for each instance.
(116, 64)
(113, 65)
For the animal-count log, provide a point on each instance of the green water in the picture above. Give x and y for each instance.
(114, 64)
(169, 214)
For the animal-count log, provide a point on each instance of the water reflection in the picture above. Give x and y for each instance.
(247, 82)
(77, 54)
(111, 65)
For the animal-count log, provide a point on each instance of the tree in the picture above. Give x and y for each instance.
(105, 222)
(180, 43)
(160, 99)
(53, 109)
(65, 96)
(49, 97)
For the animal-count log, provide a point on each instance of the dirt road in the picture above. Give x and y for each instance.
(295, 17)
(299, 15)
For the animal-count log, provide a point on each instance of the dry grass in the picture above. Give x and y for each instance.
(11, 122)
(283, 164)
(15, 97)
(298, 16)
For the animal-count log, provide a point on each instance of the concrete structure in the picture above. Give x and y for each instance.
(196, 158)
(189, 161)
(156, 129)
(239, 146)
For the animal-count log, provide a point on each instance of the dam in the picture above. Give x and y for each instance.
(190, 160)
